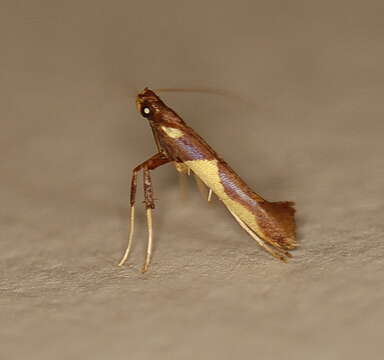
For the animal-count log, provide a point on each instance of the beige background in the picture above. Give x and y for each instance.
(309, 128)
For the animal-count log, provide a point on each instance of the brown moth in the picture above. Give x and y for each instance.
(271, 224)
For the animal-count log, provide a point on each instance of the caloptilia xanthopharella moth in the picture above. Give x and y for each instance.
(271, 224)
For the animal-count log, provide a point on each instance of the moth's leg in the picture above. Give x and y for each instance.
(209, 195)
(149, 205)
(135, 172)
(152, 163)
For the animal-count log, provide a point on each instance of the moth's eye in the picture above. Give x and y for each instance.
(146, 111)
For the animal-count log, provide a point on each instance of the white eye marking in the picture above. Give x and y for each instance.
(172, 132)
(146, 110)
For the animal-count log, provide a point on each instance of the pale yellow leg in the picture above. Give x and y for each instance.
(254, 236)
(149, 247)
(132, 229)
(210, 195)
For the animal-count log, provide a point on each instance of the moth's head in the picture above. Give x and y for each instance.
(149, 104)
(152, 108)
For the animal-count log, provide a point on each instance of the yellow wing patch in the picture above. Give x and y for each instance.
(208, 172)
(172, 132)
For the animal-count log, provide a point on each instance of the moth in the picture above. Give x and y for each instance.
(271, 224)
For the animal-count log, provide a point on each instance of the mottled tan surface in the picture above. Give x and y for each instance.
(310, 129)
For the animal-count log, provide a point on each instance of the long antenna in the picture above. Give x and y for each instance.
(197, 90)
(211, 91)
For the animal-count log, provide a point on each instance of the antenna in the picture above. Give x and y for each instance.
(210, 91)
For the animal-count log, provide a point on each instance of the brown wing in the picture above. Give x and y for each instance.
(277, 220)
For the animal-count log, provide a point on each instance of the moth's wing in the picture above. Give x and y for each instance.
(277, 220)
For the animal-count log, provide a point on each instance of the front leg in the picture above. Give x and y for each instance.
(152, 163)
(149, 205)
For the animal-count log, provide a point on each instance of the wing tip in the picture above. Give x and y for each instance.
(277, 220)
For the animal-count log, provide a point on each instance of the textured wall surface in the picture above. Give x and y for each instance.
(309, 128)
